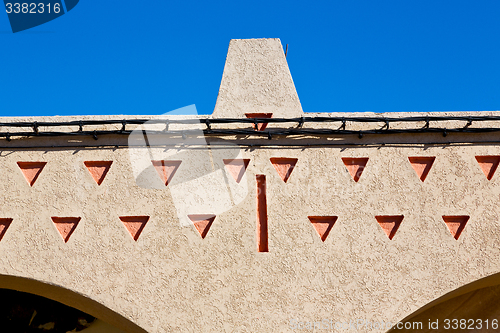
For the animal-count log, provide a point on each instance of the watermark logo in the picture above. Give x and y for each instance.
(26, 15)
(184, 162)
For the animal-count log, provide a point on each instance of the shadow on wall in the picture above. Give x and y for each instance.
(32, 306)
(472, 308)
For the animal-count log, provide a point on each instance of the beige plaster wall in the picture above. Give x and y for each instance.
(172, 280)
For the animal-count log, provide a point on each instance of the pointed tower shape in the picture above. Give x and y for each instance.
(66, 226)
(202, 223)
(166, 169)
(323, 225)
(98, 169)
(389, 223)
(134, 224)
(259, 126)
(355, 166)
(456, 224)
(488, 164)
(422, 165)
(256, 78)
(237, 168)
(284, 166)
(4, 225)
(31, 170)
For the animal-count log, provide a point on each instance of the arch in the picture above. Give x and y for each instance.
(476, 300)
(69, 298)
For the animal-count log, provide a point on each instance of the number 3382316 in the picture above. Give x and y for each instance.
(32, 8)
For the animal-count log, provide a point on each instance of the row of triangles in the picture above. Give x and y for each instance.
(134, 224)
(324, 224)
(388, 223)
(97, 169)
(283, 165)
(355, 165)
(67, 225)
(422, 165)
(237, 167)
(202, 222)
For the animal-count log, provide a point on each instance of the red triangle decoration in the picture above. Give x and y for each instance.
(390, 224)
(237, 168)
(4, 225)
(284, 166)
(422, 165)
(98, 169)
(31, 170)
(66, 226)
(134, 224)
(488, 164)
(166, 169)
(323, 225)
(260, 126)
(355, 166)
(202, 223)
(456, 224)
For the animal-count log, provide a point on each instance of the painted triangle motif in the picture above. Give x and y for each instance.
(355, 166)
(323, 225)
(237, 168)
(488, 164)
(4, 225)
(456, 224)
(202, 223)
(422, 165)
(98, 169)
(66, 226)
(389, 223)
(31, 170)
(166, 169)
(284, 166)
(134, 224)
(260, 126)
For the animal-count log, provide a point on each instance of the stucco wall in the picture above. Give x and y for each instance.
(173, 279)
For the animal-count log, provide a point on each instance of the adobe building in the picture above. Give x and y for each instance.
(259, 217)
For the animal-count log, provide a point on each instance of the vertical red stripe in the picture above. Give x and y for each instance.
(262, 245)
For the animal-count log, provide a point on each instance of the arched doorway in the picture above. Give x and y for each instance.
(474, 307)
(29, 306)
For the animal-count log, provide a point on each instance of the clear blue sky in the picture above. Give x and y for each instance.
(150, 57)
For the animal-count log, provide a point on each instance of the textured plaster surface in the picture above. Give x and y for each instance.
(257, 80)
(210, 277)
(172, 279)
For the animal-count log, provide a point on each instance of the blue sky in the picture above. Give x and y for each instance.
(150, 57)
